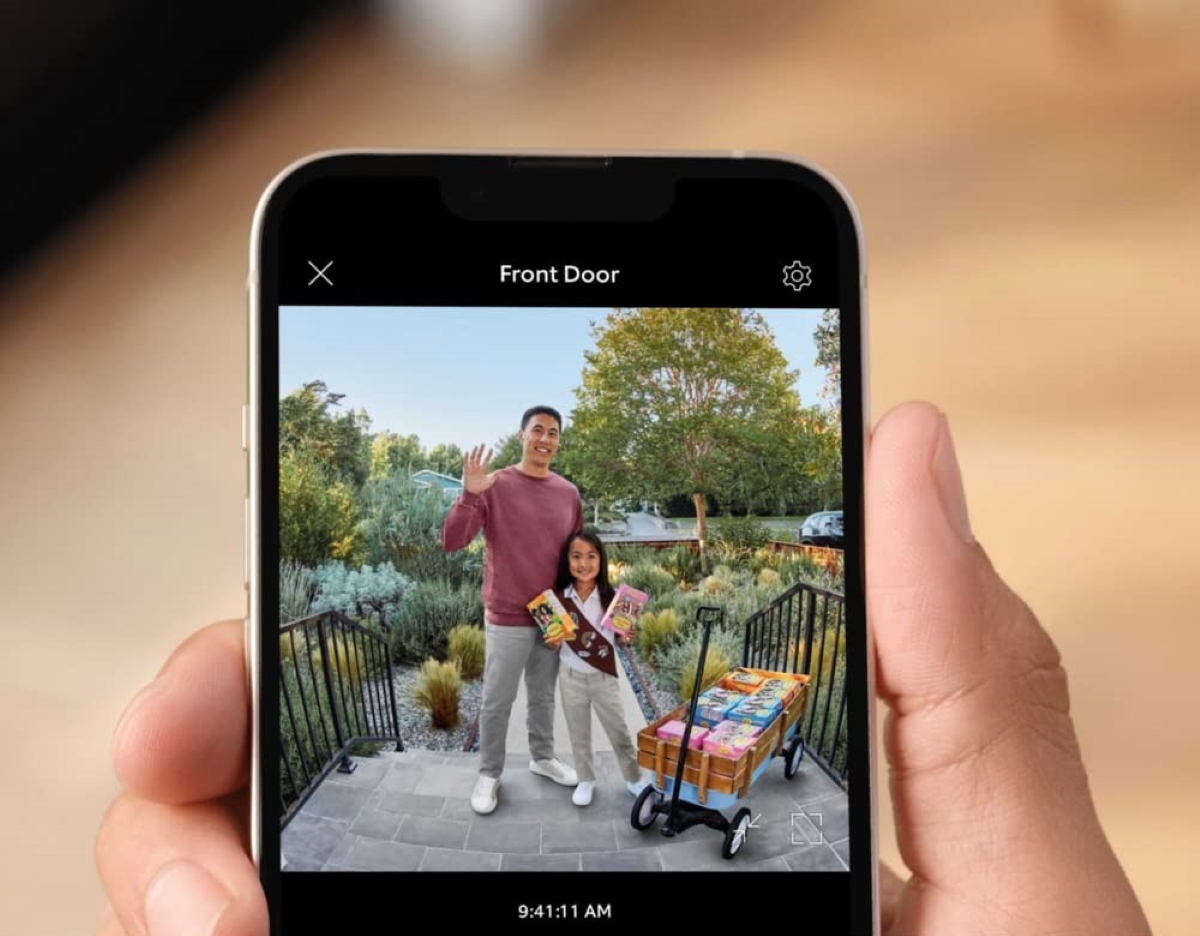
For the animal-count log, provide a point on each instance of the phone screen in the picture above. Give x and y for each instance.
(556, 474)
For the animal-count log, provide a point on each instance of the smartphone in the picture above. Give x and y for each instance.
(459, 362)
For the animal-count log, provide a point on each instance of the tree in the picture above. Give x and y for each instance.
(309, 420)
(828, 338)
(446, 459)
(679, 401)
(317, 515)
(392, 453)
(507, 452)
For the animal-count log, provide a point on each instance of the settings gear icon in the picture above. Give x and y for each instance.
(797, 275)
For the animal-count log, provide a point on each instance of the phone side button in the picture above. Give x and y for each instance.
(246, 543)
(245, 419)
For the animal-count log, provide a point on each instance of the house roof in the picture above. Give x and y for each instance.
(427, 478)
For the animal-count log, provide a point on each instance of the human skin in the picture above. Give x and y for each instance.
(994, 817)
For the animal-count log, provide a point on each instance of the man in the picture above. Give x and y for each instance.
(526, 513)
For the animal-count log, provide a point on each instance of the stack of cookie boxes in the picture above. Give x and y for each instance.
(740, 722)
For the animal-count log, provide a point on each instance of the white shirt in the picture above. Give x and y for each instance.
(594, 611)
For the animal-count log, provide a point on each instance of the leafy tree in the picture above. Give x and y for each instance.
(506, 452)
(392, 453)
(446, 459)
(317, 515)
(828, 339)
(680, 401)
(309, 419)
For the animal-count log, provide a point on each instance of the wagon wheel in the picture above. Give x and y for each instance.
(735, 835)
(793, 756)
(645, 809)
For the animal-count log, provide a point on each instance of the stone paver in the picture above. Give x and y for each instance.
(311, 838)
(456, 781)
(635, 860)
(410, 811)
(374, 823)
(510, 838)
(578, 837)
(445, 859)
(411, 804)
(842, 849)
(440, 833)
(373, 855)
(540, 863)
(814, 858)
(337, 801)
(367, 773)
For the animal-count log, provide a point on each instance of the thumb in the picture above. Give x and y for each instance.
(993, 812)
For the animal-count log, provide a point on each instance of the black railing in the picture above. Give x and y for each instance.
(336, 693)
(804, 631)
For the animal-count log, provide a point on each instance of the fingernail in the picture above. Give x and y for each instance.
(948, 478)
(184, 900)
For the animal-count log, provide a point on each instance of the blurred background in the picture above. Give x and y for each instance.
(1027, 174)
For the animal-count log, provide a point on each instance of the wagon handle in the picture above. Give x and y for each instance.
(705, 616)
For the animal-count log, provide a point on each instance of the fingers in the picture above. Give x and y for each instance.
(178, 869)
(185, 736)
(990, 793)
(890, 889)
(109, 925)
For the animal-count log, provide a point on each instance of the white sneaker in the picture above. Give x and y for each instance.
(483, 800)
(583, 793)
(635, 787)
(555, 770)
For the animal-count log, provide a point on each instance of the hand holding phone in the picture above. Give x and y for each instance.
(182, 752)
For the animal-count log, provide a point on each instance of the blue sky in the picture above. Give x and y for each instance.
(465, 375)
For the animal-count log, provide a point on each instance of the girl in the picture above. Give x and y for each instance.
(589, 671)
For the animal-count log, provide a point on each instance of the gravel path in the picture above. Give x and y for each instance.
(415, 728)
(654, 699)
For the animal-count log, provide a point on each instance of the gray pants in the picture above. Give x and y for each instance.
(510, 652)
(581, 692)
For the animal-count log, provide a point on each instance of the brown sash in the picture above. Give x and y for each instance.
(589, 644)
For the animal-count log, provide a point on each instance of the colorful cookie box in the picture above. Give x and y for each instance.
(624, 610)
(547, 611)
(756, 710)
(742, 681)
(730, 740)
(673, 731)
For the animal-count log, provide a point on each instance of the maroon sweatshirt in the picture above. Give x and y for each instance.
(525, 521)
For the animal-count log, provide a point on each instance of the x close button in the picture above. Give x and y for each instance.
(322, 272)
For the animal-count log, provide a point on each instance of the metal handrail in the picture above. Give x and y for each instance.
(780, 637)
(328, 709)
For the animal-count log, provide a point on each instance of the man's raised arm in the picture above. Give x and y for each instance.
(467, 516)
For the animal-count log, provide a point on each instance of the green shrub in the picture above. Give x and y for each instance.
(369, 594)
(716, 664)
(715, 585)
(430, 610)
(676, 661)
(402, 524)
(650, 578)
(437, 690)
(656, 629)
(465, 646)
(768, 578)
(297, 588)
(343, 659)
(682, 562)
(318, 517)
(742, 534)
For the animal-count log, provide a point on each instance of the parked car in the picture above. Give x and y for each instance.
(823, 529)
